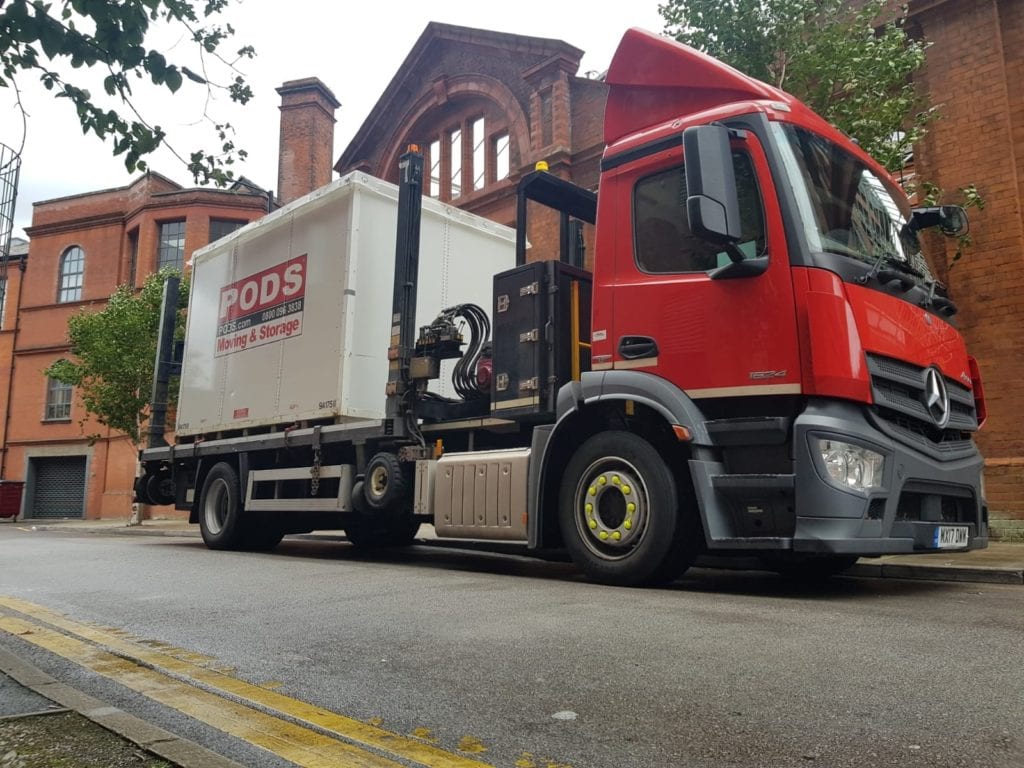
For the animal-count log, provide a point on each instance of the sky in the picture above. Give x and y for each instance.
(354, 48)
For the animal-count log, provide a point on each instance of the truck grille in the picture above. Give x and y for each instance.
(936, 505)
(898, 390)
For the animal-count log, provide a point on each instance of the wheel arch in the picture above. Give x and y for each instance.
(650, 405)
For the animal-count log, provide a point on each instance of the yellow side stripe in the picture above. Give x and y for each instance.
(220, 683)
(299, 745)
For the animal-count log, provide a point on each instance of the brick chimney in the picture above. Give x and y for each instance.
(307, 137)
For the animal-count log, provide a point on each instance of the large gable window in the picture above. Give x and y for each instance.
(72, 272)
(466, 156)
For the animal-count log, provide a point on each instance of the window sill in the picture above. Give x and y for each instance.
(56, 421)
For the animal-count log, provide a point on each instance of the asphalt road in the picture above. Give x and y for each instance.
(522, 664)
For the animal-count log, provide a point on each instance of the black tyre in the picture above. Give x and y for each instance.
(160, 489)
(385, 484)
(385, 533)
(810, 569)
(141, 493)
(220, 509)
(620, 513)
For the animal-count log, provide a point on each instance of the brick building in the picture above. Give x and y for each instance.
(975, 70)
(485, 107)
(81, 248)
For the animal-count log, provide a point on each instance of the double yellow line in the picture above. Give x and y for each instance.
(294, 730)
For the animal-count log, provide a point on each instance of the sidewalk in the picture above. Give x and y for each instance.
(1001, 563)
(45, 723)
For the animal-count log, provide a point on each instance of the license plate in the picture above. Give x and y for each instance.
(951, 536)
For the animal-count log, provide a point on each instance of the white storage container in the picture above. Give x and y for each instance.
(290, 316)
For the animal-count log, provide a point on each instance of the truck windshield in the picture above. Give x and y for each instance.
(846, 208)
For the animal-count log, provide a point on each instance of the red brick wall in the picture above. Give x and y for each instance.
(975, 70)
(307, 138)
(99, 224)
(7, 333)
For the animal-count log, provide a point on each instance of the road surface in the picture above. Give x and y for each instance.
(318, 655)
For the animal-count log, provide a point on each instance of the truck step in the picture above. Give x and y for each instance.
(749, 430)
(753, 486)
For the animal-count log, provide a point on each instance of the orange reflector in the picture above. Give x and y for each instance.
(682, 433)
(414, 147)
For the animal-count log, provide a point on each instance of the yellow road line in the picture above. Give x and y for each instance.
(294, 743)
(214, 680)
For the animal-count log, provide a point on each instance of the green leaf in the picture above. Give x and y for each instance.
(173, 79)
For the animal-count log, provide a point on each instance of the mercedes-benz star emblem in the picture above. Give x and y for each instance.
(936, 398)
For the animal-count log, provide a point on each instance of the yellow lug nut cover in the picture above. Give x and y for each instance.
(626, 490)
(616, 480)
(631, 507)
(616, 535)
(628, 525)
(603, 535)
(592, 491)
(592, 524)
(590, 509)
(602, 480)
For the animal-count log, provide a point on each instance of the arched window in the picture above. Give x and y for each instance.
(467, 147)
(72, 269)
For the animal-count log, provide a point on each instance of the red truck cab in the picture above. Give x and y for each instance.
(805, 346)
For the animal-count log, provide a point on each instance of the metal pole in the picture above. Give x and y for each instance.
(164, 365)
(407, 264)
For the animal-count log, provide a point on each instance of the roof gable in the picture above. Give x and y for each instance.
(527, 52)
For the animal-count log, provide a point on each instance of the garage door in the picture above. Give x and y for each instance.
(59, 488)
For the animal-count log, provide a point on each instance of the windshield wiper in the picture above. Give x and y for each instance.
(889, 276)
(941, 304)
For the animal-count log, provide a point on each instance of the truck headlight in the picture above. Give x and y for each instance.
(851, 466)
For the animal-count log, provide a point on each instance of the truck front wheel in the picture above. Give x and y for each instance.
(620, 515)
(220, 509)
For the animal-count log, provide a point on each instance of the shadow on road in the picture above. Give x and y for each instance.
(512, 561)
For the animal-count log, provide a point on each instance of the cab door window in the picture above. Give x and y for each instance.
(663, 242)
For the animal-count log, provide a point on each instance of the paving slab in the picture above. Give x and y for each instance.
(179, 751)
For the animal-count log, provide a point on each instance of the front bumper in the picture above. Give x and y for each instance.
(803, 513)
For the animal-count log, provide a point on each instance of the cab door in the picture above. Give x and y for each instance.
(658, 307)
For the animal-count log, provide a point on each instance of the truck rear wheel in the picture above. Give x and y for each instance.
(220, 509)
(620, 515)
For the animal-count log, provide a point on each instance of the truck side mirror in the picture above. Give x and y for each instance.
(950, 219)
(712, 205)
(953, 220)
